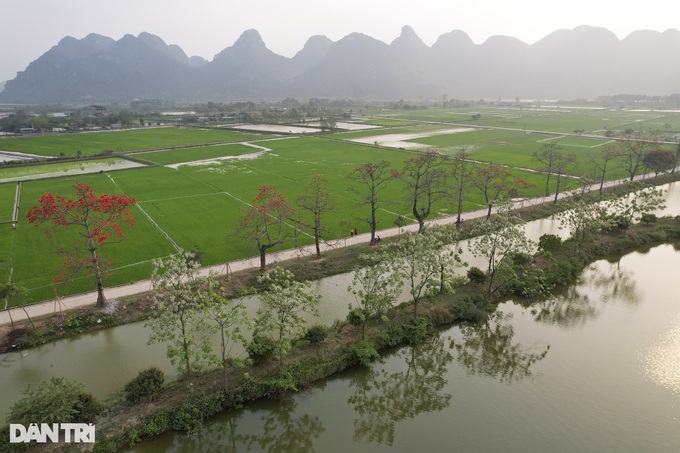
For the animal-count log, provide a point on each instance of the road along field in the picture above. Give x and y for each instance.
(195, 197)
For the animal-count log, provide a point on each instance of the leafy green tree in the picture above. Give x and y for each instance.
(422, 260)
(659, 160)
(583, 218)
(285, 302)
(641, 200)
(497, 240)
(327, 123)
(178, 301)
(57, 400)
(375, 288)
(228, 318)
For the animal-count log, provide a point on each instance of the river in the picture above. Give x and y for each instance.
(594, 369)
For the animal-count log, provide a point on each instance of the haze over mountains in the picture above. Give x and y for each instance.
(585, 62)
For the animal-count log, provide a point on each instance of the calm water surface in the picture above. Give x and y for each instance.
(594, 369)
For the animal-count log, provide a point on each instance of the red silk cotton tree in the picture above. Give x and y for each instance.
(268, 221)
(98, 219)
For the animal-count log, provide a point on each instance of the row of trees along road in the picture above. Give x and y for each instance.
(427, 179)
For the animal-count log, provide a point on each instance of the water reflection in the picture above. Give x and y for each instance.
(382, 398)
(602, 282)
(488, 350)
(279, 430)
(282, 430)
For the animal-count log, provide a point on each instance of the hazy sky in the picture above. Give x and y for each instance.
(28, 28)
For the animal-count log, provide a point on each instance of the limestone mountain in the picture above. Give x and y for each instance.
(583, 62)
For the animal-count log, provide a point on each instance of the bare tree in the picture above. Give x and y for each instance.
(563, 164)
(496, 183)
(547, 157)
(602, 165)
(425, 179)
(267, 222)
(634, 151)
(461, 172)
(317, 200)
(370, 180)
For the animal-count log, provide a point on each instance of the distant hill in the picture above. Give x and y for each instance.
(584, 62)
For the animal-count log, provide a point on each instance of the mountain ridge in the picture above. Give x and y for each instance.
(583, 62)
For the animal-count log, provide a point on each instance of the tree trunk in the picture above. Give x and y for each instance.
(101, 299)
(263, 259)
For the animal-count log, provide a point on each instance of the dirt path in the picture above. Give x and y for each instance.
(89, 299)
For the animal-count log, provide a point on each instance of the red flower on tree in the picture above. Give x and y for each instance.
(268, 222)
(99, 218)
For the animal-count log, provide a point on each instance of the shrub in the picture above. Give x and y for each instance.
(475, 308)
(56, 400)
(79, 322)
(416, 330)
(315, 334)
(648, 218)
(362, 352)
(356, 317)
(260, 349)
(145, 385)
(520, 259)
(187, 418)
(476, 275)
(550, 243)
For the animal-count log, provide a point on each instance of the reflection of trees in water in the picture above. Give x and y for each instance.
(568, 309)
(281, 430)
(215, 436)
(382, 398)
(577, 304)
(488, 350)
(614, 283)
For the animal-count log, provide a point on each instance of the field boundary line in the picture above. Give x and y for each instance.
(167, 236)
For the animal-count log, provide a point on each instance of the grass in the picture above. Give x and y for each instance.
(7, 193)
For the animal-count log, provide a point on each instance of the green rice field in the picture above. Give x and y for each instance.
(122, 141)
(200, 207)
